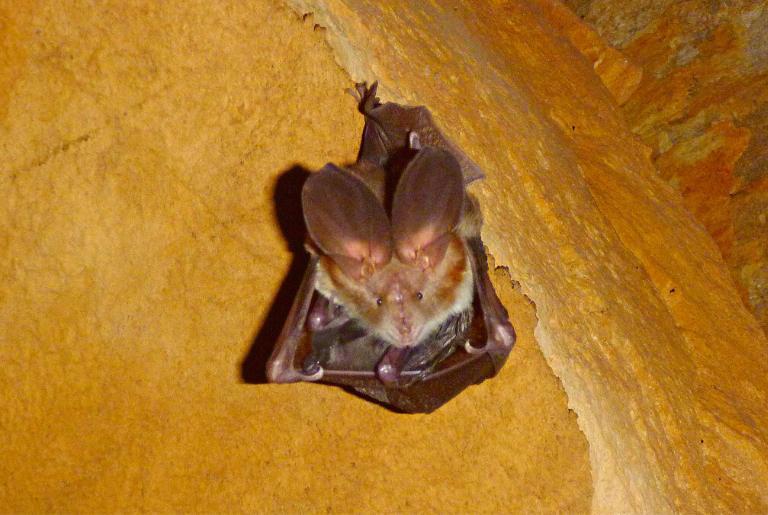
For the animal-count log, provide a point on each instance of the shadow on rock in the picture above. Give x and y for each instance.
(287, 202)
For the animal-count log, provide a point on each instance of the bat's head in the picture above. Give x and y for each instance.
(403, 276)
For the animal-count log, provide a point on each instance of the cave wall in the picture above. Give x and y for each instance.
(702, 107)
(152, 155)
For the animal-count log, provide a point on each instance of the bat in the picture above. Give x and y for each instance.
(396, 302)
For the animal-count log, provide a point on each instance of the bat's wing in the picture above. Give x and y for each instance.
(463, 351)
(281, 365)
(388, 127)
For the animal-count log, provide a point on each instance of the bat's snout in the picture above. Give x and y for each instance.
(406, 331)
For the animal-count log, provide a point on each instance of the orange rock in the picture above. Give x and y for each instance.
(703, 67)
(702, 169)
(619, 75)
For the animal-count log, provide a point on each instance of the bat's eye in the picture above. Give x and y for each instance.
(379, 301)
(419, 295)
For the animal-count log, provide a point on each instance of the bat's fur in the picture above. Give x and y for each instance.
(388, 302)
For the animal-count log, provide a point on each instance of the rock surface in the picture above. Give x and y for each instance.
(144, 148)
(702, 107)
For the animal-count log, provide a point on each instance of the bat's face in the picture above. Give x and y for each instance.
(403, 303)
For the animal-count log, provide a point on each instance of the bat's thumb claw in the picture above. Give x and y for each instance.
(505, 335)
(277, 372)
(474, 350)
(502, 338)
(318, 375)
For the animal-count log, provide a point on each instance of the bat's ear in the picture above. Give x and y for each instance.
(427, 207)
(346, 221)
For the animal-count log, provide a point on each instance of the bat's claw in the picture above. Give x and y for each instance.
(504, 335)
(310, 376)
(414, 143)
(472, 349)
(278, 373)
(315, 376)
(501, 339)
(311, 366)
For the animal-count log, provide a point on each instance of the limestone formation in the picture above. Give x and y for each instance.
(702, 107)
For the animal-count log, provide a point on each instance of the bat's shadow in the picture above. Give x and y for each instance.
(287, 205)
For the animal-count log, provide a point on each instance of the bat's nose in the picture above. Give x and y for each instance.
(405, 328)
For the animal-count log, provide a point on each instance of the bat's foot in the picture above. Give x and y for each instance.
(365, 96)
(501, 339)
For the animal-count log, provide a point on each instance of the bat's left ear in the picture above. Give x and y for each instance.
(427, 207)
(346, 221)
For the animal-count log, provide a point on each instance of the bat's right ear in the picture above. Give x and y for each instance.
(427, 206)
(346, 221)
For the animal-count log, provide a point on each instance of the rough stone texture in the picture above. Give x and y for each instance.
(702, 107)
(143, 146)
(618, 73)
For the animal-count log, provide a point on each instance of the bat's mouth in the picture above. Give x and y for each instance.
(406, 340)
